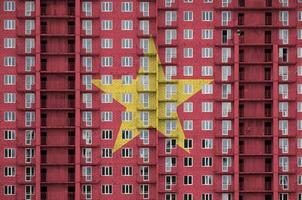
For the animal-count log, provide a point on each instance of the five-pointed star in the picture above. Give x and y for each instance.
(117, 89)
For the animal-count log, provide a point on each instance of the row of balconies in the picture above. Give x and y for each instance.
(64, 121)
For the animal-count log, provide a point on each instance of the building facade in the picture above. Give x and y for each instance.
(151, 99)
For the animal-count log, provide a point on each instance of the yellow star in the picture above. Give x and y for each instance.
(157, 100)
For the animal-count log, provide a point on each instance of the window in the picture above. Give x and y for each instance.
(225, 54)
(29, 26)
(284, 17)
(188, 196)
(206, 162)
(9, 24)
(126, 189)
(127, 98)
(87, 118)
(87, 44)
(226, 126)
(9, 6)
(9, 116)
(188, 125)
(284, 182)
(207, 71)
(299, 52)
(9, 61)
(106, 43)
(29, 63)
(144, 136)
(207, 16)
(29, 118)
(170, 53)
(29, 45)
(206, 125)
(208, 196)
(188, 15)
(106, 98)
(299, 143)
(106, 116)
(127, 171)
(127, 7)
(170, 17)
(106, 153)
(86, 191)
(126, 153)
(188, 161)
(188, 143)
(207, 106)
(9, 97)
(106, 171)
(188, 107)
(299, 34)
(144, 154)
(144, 26)
(106, 79)
(126, 116)
(226, 145)
(207, 52)
(299, 15)
(226, 163)
(106, 25)
(87, 136)
(188, 180)
(170, 35)
(9, 153)
(127, 25)
(207, 34)
(188, 52)
(29, 192)
(144, 8)
(226, 18)
(207, 89)
(87, 8)
(206, 180)
(106, 61)
(188, 70)
(144, 45)
(9, 189)
(9, 171)
(127, 79)
(126, 61)
(283, 35)
(106, 134)
(188, 34)
(207, 143)
(106, 189)
(127, 43)
(106, 6)
(87, 81)
(9, 43)
(87, 173)
(9, 79)
(9, 134)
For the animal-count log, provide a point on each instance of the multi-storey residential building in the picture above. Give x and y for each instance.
(151, 99)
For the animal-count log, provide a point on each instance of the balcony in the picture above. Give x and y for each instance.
(268, 183)
(49, 10)
(71, 159)
(57, 46)
(43, 195)
(71, 175)
(71, 195)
